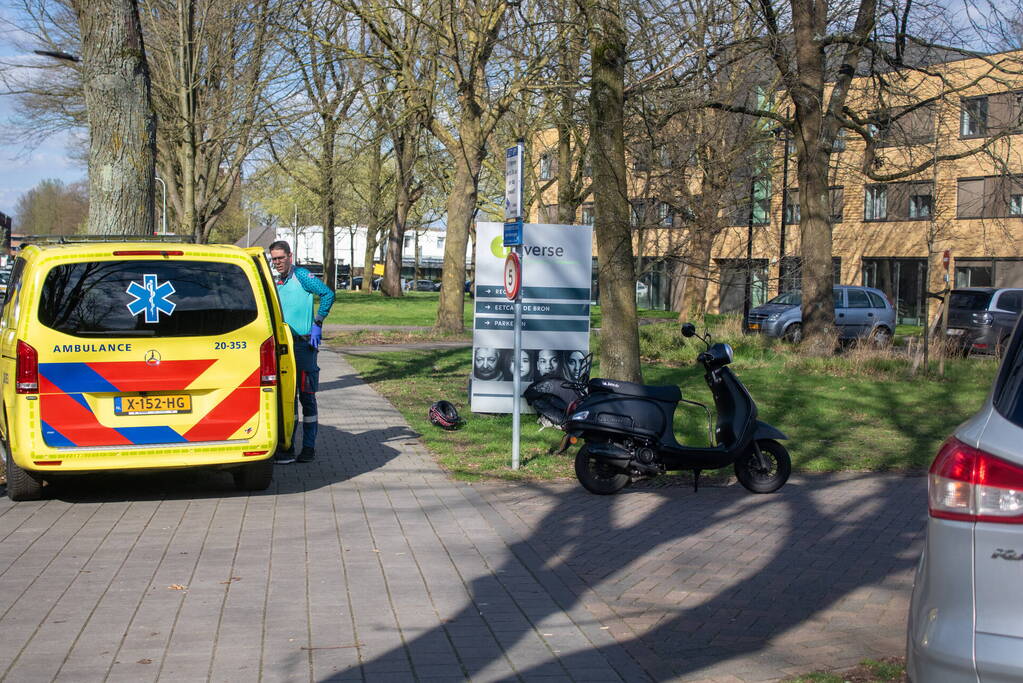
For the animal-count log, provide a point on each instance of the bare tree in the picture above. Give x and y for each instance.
(53, 208)
(318, 42)
(212, 69)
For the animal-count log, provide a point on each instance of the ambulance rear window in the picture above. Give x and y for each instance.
(146, 299)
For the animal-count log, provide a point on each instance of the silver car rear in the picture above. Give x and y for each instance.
(966, 615)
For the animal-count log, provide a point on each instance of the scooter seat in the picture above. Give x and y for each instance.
(670, 393)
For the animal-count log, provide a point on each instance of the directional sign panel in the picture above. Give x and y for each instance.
(556, 264)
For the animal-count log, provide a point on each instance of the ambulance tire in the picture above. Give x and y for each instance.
(22, 485)
(255, 476)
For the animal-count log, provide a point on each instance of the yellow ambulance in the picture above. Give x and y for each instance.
(142, 356)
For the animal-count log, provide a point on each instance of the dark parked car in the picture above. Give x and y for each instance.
(965, 622)
(859, 312)
(980, 319)
(423, 286)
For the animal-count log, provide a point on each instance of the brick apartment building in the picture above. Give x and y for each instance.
(889, 235)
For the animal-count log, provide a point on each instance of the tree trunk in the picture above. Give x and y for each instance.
(327, 200)
(122, 127)
(405, 149)
(619, 338)
(815, 230)
(568, 195)
(568, 201)
(373, 224)
(694, 300)
(461, 208)
(186, 114)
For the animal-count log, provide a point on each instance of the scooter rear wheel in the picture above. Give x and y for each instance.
(764, 480)
(597, 476)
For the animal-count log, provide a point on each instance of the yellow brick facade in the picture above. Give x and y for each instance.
(855, 238)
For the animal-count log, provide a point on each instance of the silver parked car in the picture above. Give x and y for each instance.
(966, 614)
(859, 312)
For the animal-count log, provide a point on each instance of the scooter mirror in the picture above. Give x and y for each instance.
(688, 330)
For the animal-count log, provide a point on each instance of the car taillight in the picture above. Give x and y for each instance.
(970, 485)
(268, 363)
(26, 370)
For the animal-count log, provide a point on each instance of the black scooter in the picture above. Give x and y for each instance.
(627, 430)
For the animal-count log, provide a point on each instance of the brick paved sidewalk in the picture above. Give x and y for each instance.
(370, 564)
(367, 564)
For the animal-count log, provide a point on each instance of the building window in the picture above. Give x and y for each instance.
(973, 117)
(836, 195)
(792, 207)
(921, 206)
(546, 166)
(665, 214)
(587, 214)
(875, 203)
(440, 242)
(899, 126)
(587, 166)
(641, 157)
(973, 276)
(839, 144)
(408, 242)
(990, 197)
(549, 213)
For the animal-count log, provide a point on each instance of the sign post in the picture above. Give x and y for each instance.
(513, 278)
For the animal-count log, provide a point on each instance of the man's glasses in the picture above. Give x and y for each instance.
(278, 258)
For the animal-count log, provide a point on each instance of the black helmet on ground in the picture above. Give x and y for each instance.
(444, 415)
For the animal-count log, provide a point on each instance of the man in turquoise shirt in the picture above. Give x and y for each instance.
(296, 288)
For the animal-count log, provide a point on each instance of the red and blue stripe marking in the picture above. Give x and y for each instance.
(68, 420)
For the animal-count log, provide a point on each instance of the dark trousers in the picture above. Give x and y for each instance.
(308, 383)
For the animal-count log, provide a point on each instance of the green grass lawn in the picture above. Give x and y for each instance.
(858, 410)
(420, 309)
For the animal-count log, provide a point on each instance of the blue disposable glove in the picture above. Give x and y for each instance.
(315, 336)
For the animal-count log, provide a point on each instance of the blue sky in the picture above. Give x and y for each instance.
(22, 166)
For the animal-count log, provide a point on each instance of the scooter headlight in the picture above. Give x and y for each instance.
(581, 415)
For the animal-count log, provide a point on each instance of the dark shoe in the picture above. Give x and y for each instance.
(307, 455)
(284, 457)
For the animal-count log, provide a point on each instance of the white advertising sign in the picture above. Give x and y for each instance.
(556, 266)
(513, 183)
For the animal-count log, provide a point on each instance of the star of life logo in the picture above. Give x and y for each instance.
(151, 297)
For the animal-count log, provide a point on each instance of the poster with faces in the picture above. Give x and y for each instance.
(556, 265)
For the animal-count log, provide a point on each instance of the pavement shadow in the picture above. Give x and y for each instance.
(341, 455)
(798, 553)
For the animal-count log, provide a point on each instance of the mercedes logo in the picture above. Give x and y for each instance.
(152, 357)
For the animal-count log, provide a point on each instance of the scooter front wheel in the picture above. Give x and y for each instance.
(759, 479)
(597, 476)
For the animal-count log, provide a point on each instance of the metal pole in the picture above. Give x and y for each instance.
(163, 215)
(784, 208)
(748, 289)
(517, 370)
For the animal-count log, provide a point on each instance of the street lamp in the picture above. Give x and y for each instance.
(163, 215)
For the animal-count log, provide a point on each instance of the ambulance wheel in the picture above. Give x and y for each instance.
(22, 485)
(255, 476)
